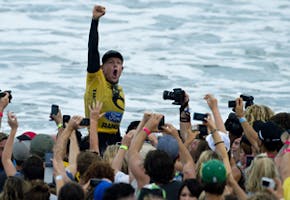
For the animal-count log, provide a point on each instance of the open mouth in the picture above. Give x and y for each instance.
(115, 72)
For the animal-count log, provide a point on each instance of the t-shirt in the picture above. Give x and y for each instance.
(112, 96)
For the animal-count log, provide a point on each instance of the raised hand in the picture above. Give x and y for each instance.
(239, 107)
(12, 120)
(4, 102)
(98, 11)
(95, 110)
(211, 101)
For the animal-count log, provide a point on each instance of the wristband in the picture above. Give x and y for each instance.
(59, 125)
(1, 114)
(214, 130)
(124, 147)
(242, 120)
(287, 142)
(218, 143)
(58, 177)
(147, 131)
(286, 150)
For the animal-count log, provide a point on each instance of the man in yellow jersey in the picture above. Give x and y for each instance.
(102, 85)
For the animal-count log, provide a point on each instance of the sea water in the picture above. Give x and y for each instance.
(222, 47)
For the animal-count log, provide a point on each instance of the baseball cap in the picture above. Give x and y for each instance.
(112, 54)
(28, 135)
(21, 150)
(268, 131)
(41, 144)
(213, 171)
(100, 189)
(224, 137)
(168, 144)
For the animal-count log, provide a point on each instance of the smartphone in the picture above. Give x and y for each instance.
(48, 159)
(249, 160)
(54, 109)
(199, 116)
(268, 182)
(85, 122)
(161, 123)
(232, 104)
(202, 130)
(65, 119)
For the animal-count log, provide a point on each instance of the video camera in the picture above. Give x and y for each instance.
(177, 95)
(2, 94)
(248, 99)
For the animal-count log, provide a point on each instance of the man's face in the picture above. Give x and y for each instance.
(112, 69)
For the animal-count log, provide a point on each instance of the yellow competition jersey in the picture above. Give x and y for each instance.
(112, 96)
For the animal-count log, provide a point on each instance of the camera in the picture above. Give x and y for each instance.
(2, 94)
(199, 116)
(161, 123)
(202, 130)
(85, 122)
(268, 182)
(177, 95)
(249, 160)
(233, 125)
(248, 99)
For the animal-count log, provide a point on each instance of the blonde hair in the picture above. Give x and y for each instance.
(258, 112)
(262, 166)
(110, 153)
(205, 156)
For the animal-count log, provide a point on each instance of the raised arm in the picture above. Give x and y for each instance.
(213, 105)
(95, 115)
(249, 131)
(185, 157)
(7, 151)
(93, 45)
(184, 118)
(3, 103)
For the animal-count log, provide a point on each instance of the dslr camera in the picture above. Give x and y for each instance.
(2, 94)
(248, 99)
(177, 95)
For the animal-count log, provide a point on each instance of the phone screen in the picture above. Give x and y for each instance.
(161, 123)
(54, 109)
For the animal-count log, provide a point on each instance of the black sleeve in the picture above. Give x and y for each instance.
(93, 51)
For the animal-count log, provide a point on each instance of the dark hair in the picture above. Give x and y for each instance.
(71, 191)
(282, 120)
(214, 188)
(39, 190)
(118, 190)
(133, 125)
(159, 166)
(193, 186)
(13, 188)
(233, 125)
(33, 168)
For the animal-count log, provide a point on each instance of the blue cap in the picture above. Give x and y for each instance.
(100, 189)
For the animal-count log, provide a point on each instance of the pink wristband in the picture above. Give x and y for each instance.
(1, 114)
(147, 131)
(286, 151)
(287, 142)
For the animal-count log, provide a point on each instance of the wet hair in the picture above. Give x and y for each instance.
(71, 191)
(99, 169)
(33, 168)
(261, 166)
(38, 191)
(159, 166)
(118, 191)
(258, 112)
(193, 186)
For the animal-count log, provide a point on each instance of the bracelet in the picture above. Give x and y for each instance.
(286, 150)
(242, 120)
(1, 114)
(214, 130)
(287, 142)
(147, 131)
(59, 125)
(218, 143)
(124, 147)
(58, 177)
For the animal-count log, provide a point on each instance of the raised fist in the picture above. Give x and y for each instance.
(98, 11)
